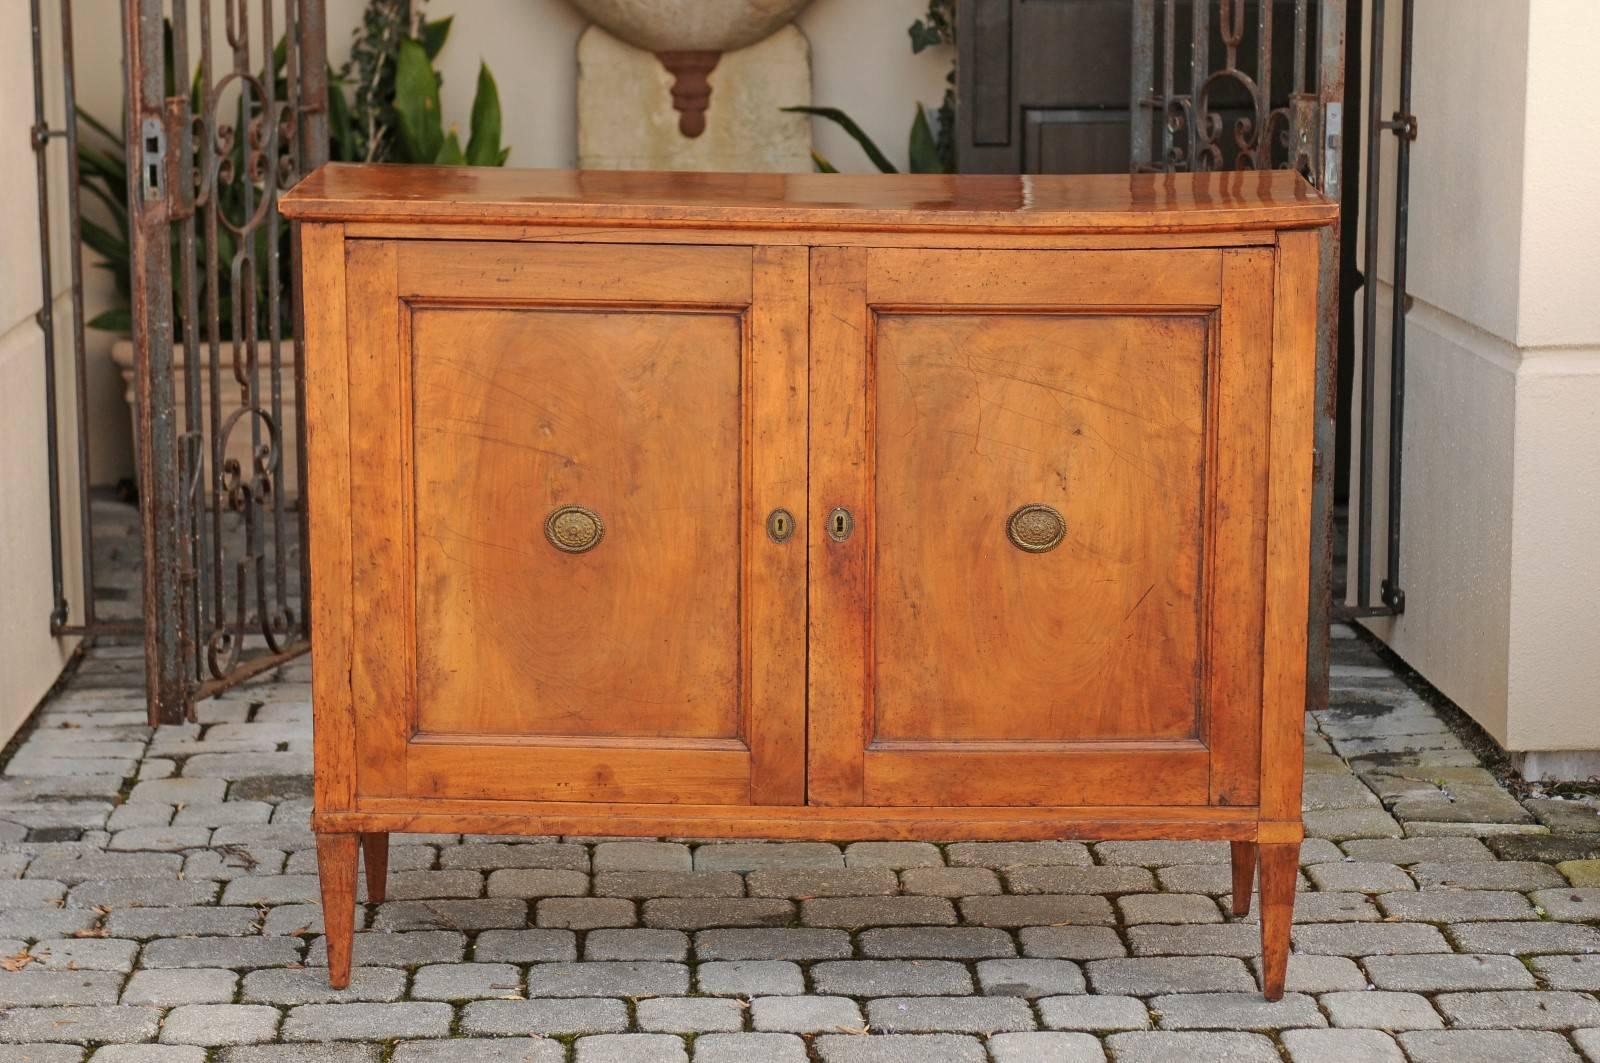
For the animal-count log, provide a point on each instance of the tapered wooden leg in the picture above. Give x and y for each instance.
(375, 855)
(1244, 875)
(336, 866)
(1280, 864)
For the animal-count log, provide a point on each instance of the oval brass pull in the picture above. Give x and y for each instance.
(1036, 528)
(573, 529)
(780, 525)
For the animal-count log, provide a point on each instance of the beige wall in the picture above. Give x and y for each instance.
(1501, 500)
(30, 659)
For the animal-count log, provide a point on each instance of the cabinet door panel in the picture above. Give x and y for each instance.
(1100, 418)
(951, 390)
(526, 379)
(634, 416)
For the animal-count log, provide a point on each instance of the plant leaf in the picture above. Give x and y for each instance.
(450, 153)
(845, 122)
(434, 34)
(924, 149)
(102, 241)
(99, 127)
(483, 146)
(118, 319)
(416, 103)
(822, 164)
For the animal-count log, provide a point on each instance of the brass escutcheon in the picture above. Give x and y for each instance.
(573, 529)
(1036, 528)
(840, 524)
(780, 525)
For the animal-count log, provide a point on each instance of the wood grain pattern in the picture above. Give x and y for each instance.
(1280, 870)
(337, 862)
(1046, 279)
(1237, 562)
(496, 273)
(775, 622)
(322, 249)
(834, 823)
(1288, 527)
(807, 236)
(1243, 859)
(684, 353)
(634, 415)
(375, 862)
(1203, 202)
(1101, 418)
(837, 724)
(380, 652)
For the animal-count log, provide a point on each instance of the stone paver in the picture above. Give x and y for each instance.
(1441, 919)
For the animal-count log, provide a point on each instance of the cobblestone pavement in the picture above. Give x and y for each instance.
(159, 905)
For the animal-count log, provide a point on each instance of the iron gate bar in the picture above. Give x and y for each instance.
(150, 273)
(41, 135)
(1403, 125)
(1304, 135)
(206, 192)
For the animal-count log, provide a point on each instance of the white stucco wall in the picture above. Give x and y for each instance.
(1501, 485)
(30, 659)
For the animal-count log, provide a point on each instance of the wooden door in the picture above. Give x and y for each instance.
(958, 658)
(566, 456)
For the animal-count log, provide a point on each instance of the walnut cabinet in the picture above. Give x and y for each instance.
(809, 506)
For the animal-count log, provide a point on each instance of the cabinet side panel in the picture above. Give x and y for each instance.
(776, 598)
(1243, 361)
(1294, 353)
(380, 546)
(837, 695)
(328, 504)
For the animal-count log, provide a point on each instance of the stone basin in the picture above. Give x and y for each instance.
(689, 36)
(690, 25)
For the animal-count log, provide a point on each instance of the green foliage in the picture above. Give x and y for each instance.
(395, 113)
(932, 147)
(395, 117)
(859, 135)
(938, 27)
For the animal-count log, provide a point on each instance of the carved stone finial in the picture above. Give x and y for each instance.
(691, 92)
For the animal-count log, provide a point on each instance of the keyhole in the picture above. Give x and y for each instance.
(780, 525)
(840, 524)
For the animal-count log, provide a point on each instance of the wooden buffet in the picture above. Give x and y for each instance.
(823, 506)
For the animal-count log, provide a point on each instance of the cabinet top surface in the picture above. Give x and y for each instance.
(1157, 203)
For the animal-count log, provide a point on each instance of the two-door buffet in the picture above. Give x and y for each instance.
(809, 506)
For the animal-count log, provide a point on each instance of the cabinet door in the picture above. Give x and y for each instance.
(564, 457)
(1055, 462)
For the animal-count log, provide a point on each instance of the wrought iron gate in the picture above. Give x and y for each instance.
(214, 132)
(1200, 115)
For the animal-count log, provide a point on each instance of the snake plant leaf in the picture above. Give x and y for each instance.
(820, 161)
(99, 127)
(483, 145)
(434, 33)
(118, 320)
(108, 245)
(924, 150)
(416, 103)
(845, 122)
(450, 153)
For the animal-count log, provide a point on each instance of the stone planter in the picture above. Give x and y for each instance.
(287, 479)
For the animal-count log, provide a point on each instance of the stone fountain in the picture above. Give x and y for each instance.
(647, 70)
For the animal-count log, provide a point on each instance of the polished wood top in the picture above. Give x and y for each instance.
(1145, 203)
